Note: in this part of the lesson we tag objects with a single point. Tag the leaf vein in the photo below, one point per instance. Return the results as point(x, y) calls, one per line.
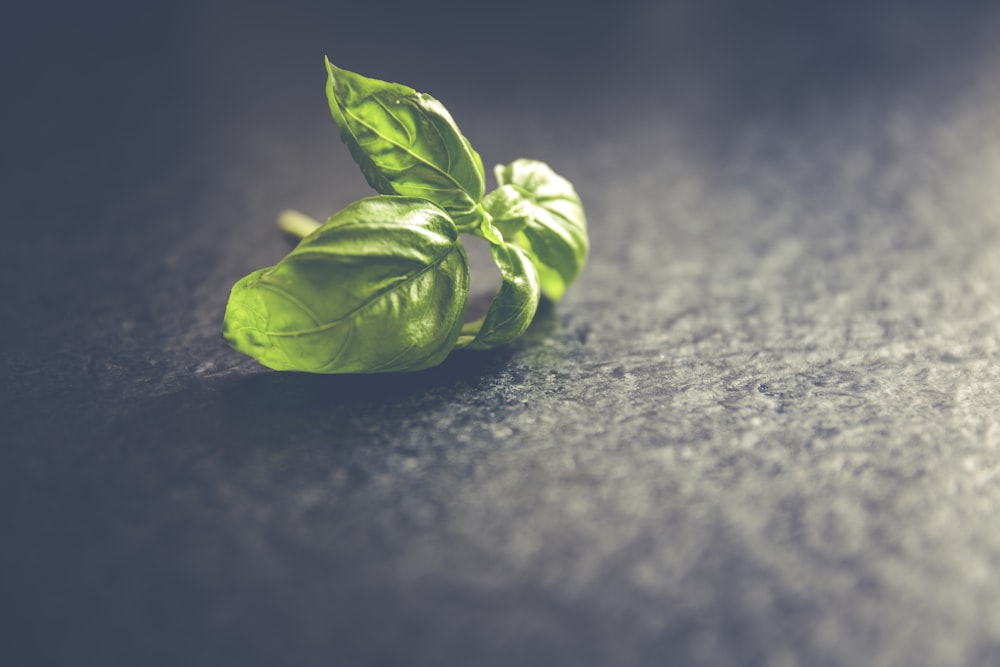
point(406, 150)
point(369, 302)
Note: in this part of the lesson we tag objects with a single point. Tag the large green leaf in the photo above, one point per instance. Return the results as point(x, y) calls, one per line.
point(381, 286)
point(514, 305)
point(406, 143)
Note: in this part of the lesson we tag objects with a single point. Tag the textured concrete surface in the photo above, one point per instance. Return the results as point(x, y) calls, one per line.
point(760, 430)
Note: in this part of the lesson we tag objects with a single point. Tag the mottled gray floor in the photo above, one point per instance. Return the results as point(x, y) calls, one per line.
point(761, 429)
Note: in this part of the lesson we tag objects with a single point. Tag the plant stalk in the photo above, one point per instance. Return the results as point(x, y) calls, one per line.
point(296, 223)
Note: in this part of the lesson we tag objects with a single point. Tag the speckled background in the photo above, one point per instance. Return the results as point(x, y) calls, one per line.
point(762, 428)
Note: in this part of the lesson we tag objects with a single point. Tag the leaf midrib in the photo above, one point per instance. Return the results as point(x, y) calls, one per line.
point(347, 112)
point(374, 298)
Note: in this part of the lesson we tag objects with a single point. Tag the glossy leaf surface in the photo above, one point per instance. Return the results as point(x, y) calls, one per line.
point(509, 210)
point(381, 286)
point(406, 143)
point(514, 305)
point(555, 231)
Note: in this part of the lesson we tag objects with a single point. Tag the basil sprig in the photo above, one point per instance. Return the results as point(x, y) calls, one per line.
point(382, 286)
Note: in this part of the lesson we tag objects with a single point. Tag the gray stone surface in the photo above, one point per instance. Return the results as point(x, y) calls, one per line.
point(760, 430)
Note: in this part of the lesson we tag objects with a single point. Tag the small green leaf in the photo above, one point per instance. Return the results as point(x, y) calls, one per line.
point(509, 210)
point(555, 233)
point(512, 308)
point(381, 286)
point(406, 143)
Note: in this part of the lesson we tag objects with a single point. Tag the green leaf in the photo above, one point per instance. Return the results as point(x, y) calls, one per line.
point(514, 305)
point(381, 286)
point(508, 209)
point(406, 143)
point(555, 231)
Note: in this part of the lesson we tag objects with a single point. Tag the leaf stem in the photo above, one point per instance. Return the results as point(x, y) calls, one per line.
point(296, 223)
point(482, 226)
